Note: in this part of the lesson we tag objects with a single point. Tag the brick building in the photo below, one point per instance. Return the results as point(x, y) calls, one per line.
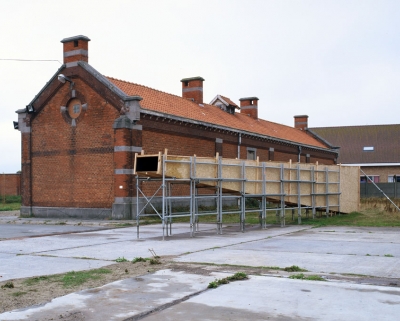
point(10, 184)
point(80, 133)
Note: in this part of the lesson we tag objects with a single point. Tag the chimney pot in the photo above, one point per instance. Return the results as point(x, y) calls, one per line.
point(301, 122)
point(75, 49)
point(192, 89)
point(249, 106)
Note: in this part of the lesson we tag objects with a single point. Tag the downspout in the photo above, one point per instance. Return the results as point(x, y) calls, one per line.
point(239, 143)
point(30, 169)
point(298, 158)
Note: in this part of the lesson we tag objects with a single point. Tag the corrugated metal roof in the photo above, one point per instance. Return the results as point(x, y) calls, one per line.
point(385, 140)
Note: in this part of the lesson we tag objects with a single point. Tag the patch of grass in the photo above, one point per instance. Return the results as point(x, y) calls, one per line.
point(370, 217)
point(37, 279)
point(367, 217)
point(301, 276)
point(294, 268)
point(124, 225)
point(236, 277)
point(19, 293)
point(367, 254)
point(73, 278)
point(69, 279)
point(12, 203)
point(389, 255)
point(121, 259)
point(315, 278)
point(8, 285)
point(139, 259)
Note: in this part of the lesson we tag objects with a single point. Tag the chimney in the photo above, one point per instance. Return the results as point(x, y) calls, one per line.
point(192, 89)
point(75, 49)
point(301, 122)
point(249, 106)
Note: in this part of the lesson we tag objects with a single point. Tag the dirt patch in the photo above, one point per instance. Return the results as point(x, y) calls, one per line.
point(25, 293)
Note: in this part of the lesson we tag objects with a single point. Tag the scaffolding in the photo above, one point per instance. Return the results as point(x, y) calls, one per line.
point(278, 187)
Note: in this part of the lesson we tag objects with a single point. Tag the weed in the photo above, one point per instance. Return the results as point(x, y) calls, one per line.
point(155, 261)
point(223, 281)
point(121, 259)
point(367, 254)
point(301, 276)
point(8, 285)
point(238, 276)
point(388, 255)
point(138, 259)
point(19, 293)
point(294, 268)
point(213, 284)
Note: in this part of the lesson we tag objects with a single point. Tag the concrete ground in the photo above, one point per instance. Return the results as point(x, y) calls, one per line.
point(361, 266)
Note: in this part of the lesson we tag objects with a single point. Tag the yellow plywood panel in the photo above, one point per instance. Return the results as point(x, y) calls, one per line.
point(311, 183)
point(350, 189)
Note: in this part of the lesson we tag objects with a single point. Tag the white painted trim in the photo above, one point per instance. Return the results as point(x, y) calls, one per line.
point(373, 164)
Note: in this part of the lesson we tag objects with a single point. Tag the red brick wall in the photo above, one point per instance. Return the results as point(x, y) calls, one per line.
point(10, 184)
point(73, 166)
point(154, 142)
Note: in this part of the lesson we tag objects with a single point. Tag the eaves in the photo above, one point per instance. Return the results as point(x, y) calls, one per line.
point(235, 131)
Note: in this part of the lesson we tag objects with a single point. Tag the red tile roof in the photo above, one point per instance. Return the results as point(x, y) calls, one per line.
point(230, 102)
point(159, 101)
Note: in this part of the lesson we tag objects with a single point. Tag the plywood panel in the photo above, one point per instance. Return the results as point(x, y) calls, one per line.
point(304, 181)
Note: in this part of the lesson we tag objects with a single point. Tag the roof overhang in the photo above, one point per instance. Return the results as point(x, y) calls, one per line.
point(233, 130)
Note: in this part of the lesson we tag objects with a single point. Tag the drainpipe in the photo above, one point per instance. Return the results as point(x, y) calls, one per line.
point(239, 143)
point(298, 158)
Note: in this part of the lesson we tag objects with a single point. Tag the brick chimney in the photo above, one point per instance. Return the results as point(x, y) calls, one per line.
point(192, 88)
point(301, 122)
point(75, 49)
point(249, 106)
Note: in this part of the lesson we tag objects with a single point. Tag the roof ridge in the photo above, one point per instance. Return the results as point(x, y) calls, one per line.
point(323, 127)
point(160, 91)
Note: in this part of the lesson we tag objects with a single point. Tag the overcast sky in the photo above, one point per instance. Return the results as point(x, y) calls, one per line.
point(336, 61)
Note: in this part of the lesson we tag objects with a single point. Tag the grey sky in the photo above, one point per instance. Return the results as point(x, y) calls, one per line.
point(336, 61)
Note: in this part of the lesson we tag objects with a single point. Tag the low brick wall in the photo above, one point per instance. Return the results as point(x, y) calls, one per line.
point(10, 184)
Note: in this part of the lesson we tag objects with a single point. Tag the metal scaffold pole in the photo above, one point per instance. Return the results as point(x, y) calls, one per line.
point(387, 197)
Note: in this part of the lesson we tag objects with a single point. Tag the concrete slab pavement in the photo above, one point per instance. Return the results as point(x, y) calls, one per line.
point(176, 296)
point(269, 298)
point(119, 300)
point(9, 231)
point(326, 250)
